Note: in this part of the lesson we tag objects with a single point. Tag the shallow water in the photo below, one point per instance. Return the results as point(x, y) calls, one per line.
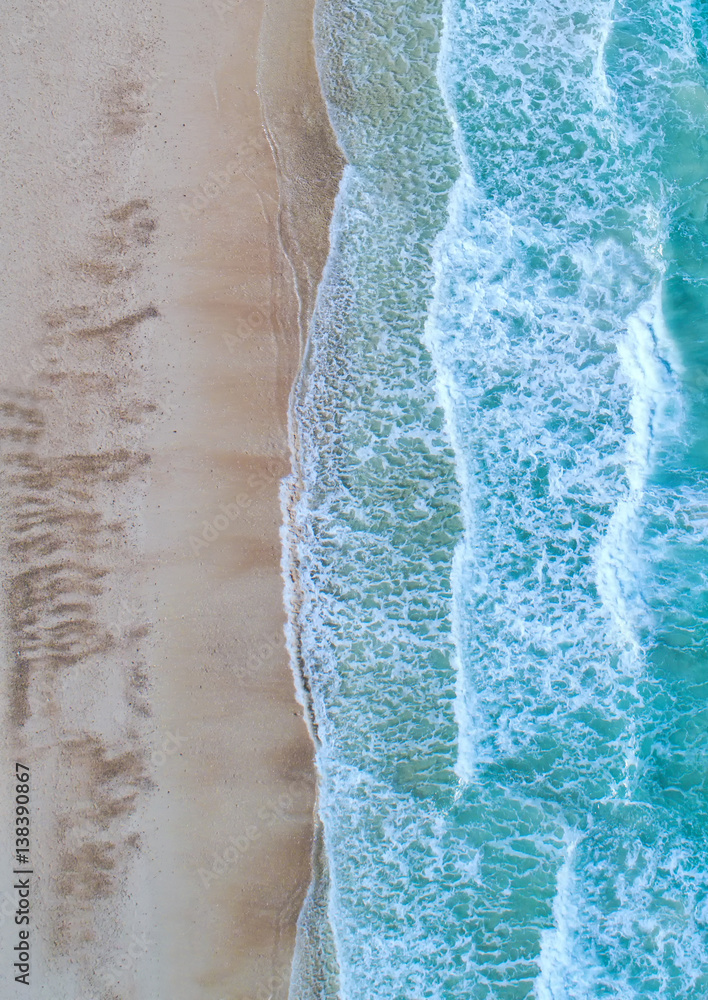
point(500, 542)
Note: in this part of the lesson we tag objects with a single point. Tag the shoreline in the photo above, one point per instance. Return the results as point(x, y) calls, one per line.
point(309, 165)
point(173, 256)
point(308, 186)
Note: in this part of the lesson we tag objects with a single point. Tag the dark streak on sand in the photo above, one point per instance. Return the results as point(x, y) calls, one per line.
point(70, 475)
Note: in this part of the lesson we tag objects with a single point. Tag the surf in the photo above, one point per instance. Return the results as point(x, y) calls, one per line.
point(502, 453)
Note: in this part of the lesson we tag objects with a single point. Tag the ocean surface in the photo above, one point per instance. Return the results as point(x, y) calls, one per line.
point(498, 541)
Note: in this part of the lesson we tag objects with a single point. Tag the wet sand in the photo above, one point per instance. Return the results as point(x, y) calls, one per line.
point(161, 252)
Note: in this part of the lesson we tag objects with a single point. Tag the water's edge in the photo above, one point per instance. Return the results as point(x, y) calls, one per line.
point(309, 166)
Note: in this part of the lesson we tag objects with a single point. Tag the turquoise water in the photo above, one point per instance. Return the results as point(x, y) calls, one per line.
point(502, 430)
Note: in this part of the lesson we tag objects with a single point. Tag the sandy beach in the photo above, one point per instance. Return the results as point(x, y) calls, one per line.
point(168, 181)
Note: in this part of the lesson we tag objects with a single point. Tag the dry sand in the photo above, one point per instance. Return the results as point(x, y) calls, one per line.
point(161, 250)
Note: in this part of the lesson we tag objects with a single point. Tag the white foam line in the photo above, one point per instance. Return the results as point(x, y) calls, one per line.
point(646, 357)
point(291, 489)
point(556, 960)
point(604, 92)
point(465, 698)
point(648, 360)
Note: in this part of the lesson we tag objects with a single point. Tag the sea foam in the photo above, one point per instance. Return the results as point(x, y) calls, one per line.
point(497, 530)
